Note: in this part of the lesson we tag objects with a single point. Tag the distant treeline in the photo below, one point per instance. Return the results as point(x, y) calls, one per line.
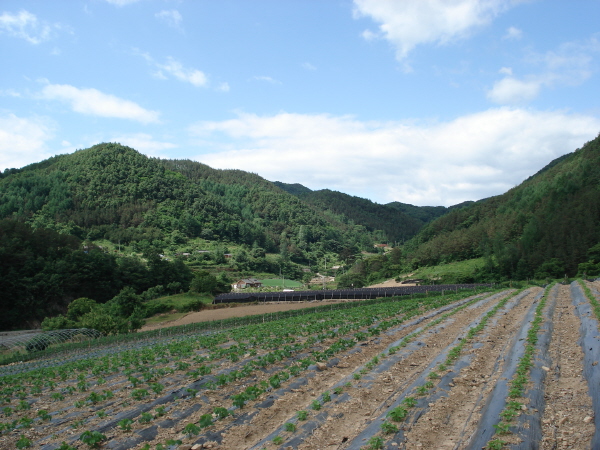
point(545, 227)
point(41, 271)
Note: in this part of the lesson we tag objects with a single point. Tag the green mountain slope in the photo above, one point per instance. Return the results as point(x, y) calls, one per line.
point(396, 225)
point(112, 191)
point(542, 227)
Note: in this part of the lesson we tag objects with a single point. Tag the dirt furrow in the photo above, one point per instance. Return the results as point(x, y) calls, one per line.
point(452, 420)
point(349, 418)
point(566, 422)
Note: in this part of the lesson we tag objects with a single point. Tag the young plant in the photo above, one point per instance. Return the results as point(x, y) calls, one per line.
point(139, 394)
point(326, 397)
point(398, 414)
point(23, 442)
point(289, 426)
point(221, 413)
point(191, 429)
point(145, 417)
point(205, 420)
point(92, 438)
point(376, 443)
point(277, 440)
point(389, 428)
point(302, 415)
point(125, 424)
point(65, 446)
point(495, 444)
point(160, 411)
point(316, 405)
point(409, 402)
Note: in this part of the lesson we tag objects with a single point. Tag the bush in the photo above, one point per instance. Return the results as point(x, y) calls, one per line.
point(59, 322)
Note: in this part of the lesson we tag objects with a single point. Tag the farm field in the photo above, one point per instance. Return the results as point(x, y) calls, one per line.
point(496, 369)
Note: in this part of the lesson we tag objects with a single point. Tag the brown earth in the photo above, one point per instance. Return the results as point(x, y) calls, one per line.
point(239, 311)
point(446, 423)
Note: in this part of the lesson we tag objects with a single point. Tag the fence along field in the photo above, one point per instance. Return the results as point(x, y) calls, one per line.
point(421, 372)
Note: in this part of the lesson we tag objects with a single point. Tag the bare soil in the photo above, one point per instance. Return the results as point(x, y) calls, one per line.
point(444, 418)
point(239, 311)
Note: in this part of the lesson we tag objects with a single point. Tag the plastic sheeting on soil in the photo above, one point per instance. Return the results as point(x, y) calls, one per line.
point(339, 294)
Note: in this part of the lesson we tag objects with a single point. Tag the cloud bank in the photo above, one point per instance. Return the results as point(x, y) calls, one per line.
point(409, 23)
point(469, 158)
point(96, 103)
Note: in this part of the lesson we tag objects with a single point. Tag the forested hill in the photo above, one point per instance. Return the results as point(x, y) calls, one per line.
point(425, 213)
point(543, 227)
point(112, 191)
point(396, 225)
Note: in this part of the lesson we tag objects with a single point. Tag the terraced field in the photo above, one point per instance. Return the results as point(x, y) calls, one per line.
point(496, 369)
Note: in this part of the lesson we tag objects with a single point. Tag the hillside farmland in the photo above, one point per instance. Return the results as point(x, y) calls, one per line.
point(495, 369)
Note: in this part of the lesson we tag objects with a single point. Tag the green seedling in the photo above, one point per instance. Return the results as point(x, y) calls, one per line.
point(44, 415)
point(23, 442)
point(125, 424)
point(398, 414)
point(388, 428)
point(289, 426)
point(409, 402)
point(191, 429)
point(92, 438)
point(495, 444)
point(139, 394)
point(326, 397)
point(221, 413)
point(145, 417)
point(77, 423)
point(316, 405)
point(376, 443)
point(277, 440)
point(502, 428)
point(205, 420)
point(302, 415)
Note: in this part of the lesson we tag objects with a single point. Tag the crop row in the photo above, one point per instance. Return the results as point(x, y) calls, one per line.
point(129, 385)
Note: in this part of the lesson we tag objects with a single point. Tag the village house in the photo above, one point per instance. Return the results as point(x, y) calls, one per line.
point(246, 282)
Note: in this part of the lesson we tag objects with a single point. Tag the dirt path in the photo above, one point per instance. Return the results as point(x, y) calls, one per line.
point(239, 311)
point(568, 403)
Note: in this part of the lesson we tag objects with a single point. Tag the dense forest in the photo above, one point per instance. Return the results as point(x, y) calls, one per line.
point(53, 211)
point(548, 226)
point(113, 192)
point(41, 271)
point(396, 224)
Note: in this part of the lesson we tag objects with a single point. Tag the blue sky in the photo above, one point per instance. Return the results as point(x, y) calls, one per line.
point(429, 102)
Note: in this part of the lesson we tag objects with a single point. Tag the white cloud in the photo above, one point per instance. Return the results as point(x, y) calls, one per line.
point(510, 91)
point(308, 66)
point(96, 103)
point(176, 69)
point(172, 18)
point(468, 158)
point(23, 141)
point(25, 25)
point(121, 2)
point(408, 23)
point(223, 87)
point(513, 34)
point(144, 143)
point(267, 79)
point(570, 64)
